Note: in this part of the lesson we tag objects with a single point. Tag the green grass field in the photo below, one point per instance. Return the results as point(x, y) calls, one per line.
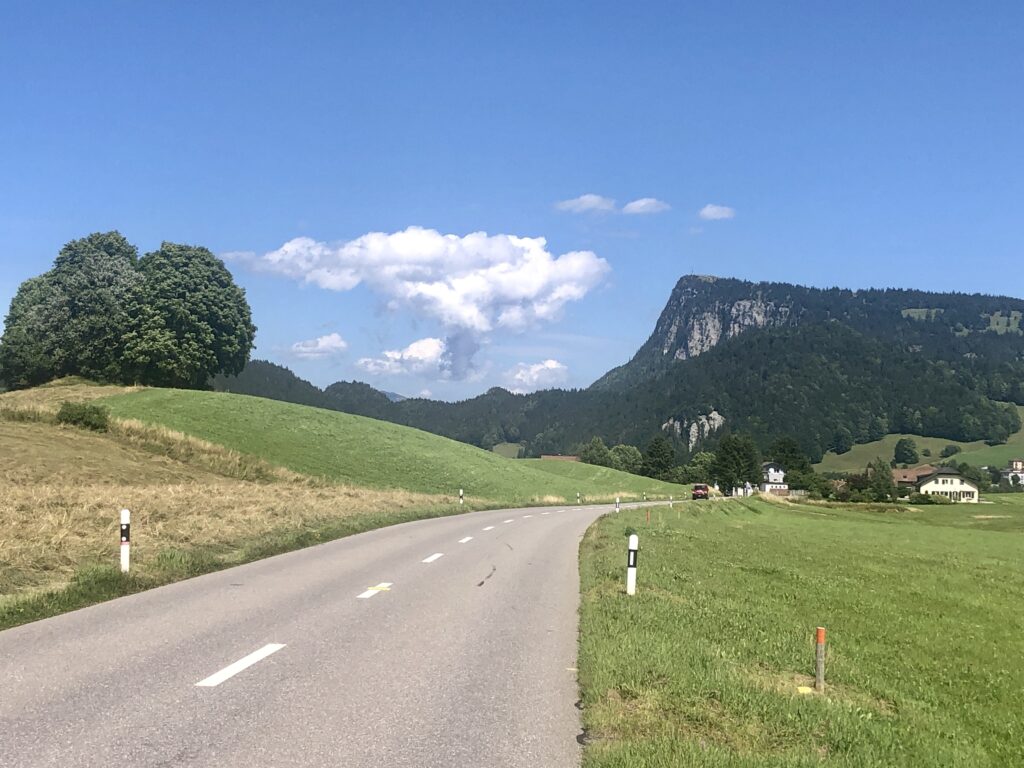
point(976, 453)
point(925, 660)
point(508, 450)
point(368, 453)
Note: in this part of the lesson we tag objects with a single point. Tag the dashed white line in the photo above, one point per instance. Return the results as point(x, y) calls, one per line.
point(463, 541)
point(384, 586)
point(489, 528)
point(433, 557)
point(545, 513)
point(527, 515)
point(508, 521)
point(233, 669)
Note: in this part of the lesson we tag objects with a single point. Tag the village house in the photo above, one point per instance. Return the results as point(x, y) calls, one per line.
point(908, 477)
point(774, 479)
point(946, 481)
point(1014, 472)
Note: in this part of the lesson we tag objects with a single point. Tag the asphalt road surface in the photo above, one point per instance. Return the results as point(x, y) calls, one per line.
point(447, 642)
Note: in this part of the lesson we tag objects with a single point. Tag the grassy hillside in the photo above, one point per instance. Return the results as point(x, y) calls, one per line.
point(702, 666)
point(590, 476)
point(976, 453)
point(364, 452)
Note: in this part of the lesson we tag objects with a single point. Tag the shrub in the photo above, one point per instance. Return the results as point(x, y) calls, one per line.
point(950, 450)
point(86, 415)
point(928, 498)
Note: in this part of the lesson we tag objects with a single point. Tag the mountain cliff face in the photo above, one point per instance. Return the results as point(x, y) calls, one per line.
point(828, 367)
point(705, 311)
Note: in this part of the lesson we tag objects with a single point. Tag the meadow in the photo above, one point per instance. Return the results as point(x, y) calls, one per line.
point(341, 447)
point(299, 476)
point(703, 666)
point(976, 453)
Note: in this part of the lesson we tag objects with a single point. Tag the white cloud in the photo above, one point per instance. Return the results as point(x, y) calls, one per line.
point(426, 394)
point(712, 212)
point(526, 377)
point(645, 205)
point(324, 346)
point(477, 282)
point(584, 203)
point(423, 356)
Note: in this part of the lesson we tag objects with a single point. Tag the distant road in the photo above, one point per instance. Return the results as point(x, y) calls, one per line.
point(447, 642)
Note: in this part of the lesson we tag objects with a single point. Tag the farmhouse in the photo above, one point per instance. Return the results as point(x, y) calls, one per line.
point(909, 477)
point(773, 479)
point(1014, 472)
point(946, 481)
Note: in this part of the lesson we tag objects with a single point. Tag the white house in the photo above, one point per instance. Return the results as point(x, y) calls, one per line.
point(1014, 472)
point(946, 481)
point(773, 479)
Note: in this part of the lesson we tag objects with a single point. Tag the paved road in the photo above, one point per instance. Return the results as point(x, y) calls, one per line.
point(448, 642)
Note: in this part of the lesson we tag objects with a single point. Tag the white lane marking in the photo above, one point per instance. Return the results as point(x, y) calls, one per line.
point(489, 528)
point(508, 521)
point(433, 557)
point(527, 515)
point(233, 669)
point(384, 586)
point(463, 541)
point(545, 513)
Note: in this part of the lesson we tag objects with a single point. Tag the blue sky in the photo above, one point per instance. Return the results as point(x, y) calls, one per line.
point(856, 145)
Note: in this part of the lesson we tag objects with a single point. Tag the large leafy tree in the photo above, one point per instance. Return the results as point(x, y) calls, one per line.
point(737, 461)
point(906, 451)
point(74, 319)
point(628, 458)
point(192, 320)
point(658, 458)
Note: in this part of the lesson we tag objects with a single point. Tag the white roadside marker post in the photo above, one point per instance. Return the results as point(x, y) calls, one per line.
point(634, 546)
point(645, 495)
point(616, 503)
point(460, 497)
point(577, 498)
point(126, 537)
point(670, 502)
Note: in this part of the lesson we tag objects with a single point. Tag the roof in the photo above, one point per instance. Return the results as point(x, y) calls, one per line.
point(913, 474)
point(945, 472)
point(770, 465)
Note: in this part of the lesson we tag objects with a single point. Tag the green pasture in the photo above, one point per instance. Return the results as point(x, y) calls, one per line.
point(925, 661)
point(365, 452)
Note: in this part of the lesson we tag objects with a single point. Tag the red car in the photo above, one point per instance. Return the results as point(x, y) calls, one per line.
point(700, 491)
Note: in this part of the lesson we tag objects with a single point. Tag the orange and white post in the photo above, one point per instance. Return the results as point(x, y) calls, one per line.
point(819, 660)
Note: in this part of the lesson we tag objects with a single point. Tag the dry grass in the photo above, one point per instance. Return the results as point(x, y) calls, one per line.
point(48, 397)
point(48, 530)
point(61, 489)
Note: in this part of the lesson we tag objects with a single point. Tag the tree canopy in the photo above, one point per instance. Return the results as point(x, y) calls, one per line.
point(172, 318)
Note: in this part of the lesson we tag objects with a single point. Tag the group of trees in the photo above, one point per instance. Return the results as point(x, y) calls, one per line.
point(736, 461)
point(173, 317)
point(655, 462)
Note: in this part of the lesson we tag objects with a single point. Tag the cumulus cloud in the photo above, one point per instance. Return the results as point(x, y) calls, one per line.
point(584, 203)
point(316, 349)
point(471, 284)
point(423, 356)
point(645, 205)
point(527, 377)
point(712, 212)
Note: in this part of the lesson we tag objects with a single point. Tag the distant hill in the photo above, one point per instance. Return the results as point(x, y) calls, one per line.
point(367, 453)
point(830, 367)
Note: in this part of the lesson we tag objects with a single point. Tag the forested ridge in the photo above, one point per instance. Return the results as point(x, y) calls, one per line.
point(829, 367)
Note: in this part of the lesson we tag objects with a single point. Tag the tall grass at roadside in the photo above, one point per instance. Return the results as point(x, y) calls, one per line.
point(702, 666)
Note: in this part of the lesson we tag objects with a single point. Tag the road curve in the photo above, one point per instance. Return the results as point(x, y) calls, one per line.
point(447, 642)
